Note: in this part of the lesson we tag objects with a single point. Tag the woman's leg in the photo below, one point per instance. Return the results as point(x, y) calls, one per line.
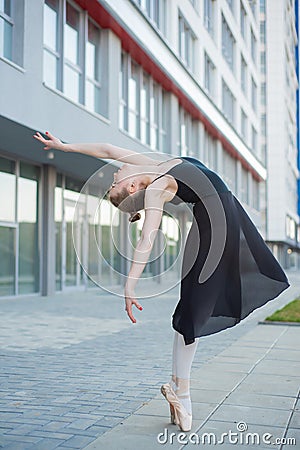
point(183, 356)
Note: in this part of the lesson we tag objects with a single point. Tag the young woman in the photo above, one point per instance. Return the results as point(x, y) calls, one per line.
point(227, 272)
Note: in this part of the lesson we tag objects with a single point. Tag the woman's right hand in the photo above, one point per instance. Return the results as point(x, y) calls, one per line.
point(51, 143)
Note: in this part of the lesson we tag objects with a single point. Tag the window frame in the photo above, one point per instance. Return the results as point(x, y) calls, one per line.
point(157, 127)
point(79, 68)
point(186, 47)
point(228, 44)
point(16, 21)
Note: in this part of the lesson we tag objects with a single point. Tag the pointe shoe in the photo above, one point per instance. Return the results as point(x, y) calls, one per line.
point(172, 414)
point(180, 416)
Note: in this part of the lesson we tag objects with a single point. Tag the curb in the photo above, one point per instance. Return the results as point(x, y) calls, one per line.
point(273, 322)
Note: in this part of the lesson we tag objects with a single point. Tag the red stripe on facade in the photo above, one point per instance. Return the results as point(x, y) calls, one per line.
point(97, 12)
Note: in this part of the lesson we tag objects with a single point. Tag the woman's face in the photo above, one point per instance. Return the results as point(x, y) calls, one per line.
point(122, 178)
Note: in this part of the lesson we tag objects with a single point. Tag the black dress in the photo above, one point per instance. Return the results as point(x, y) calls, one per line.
point(227, 271)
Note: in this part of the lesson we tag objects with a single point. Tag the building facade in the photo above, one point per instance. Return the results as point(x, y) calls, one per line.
point(158, 76)
point(279, 93)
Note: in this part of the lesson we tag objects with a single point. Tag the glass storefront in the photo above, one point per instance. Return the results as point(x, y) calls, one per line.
point(89, 235)
point(69, 219)
point(19, 264)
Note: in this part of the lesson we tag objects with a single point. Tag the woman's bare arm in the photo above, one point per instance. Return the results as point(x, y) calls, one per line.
point(155, 198)
point(97, 150)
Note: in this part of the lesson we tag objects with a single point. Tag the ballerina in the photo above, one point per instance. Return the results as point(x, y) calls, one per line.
point(228, 271)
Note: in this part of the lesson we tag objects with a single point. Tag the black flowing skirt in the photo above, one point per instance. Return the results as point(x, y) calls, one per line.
point(247, 276)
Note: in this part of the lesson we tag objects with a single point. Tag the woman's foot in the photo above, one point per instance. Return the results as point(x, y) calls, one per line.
point(179, 415)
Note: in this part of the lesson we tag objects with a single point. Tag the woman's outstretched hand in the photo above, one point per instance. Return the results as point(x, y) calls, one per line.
point(51, 143)
point(129, 301)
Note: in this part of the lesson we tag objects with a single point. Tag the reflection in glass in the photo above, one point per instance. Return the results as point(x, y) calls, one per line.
point(50, 24)
point(58, 236)
point(133, 101)
point(145, 110)
point(5, 39)
point(5, 7)
point(154, 118)
point(71, 83)
point(92, 52)
point(50, 69)
point(28, 229)
point(7, 187)
point(70, 250)
point(92, 96)
point(71, 35)
point(7, 261)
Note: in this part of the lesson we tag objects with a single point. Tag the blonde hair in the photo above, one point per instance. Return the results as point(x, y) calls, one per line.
point(131, 203)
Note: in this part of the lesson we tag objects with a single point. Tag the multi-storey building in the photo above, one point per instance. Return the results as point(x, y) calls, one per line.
point(160, 76)
point(279, 124)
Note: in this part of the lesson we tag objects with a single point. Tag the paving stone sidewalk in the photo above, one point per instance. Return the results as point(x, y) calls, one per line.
point(75, 373)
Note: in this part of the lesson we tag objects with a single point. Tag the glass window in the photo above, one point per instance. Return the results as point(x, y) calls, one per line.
point(71, 54)
point(230, 4)
point(263, 124)
point(58, 217)
point(92, 69)
point(71, 44)
point(71, 83)
point(253, 47)
point(252, 4)
point(228, 103)
point(263, 95)
point(155, 10)
point(145, 111)
point(79, 73)
point(50, 24)
point(228, 44)
point(263, 62)
point(229, 165)
point(7, 260)
point(254, 140)
point(144, 106)
point(186, 43)
point(255, 194)
point(133, 101)
point(244, 125)
point(243, 20)
point(254, 94)
point(5, 7)
point(188, 137)
point(164, 125)
point(209, 15)
point(28, 229)
point(51, 50)
point(244, 186)
point(6, 29)
point(154, 117)
point(8, 185)
point(209, 76)
point(243, 75)
point(263, 31)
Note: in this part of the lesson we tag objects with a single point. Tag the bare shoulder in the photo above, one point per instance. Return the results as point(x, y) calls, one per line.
point(161, 190)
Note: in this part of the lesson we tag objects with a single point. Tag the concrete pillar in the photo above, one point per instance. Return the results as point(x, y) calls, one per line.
point(48, 231)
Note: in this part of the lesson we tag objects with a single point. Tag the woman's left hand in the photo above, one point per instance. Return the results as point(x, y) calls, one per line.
point(129, 301)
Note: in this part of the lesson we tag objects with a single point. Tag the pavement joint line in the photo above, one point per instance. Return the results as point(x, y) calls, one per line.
point(238, 384)
point(290, 418)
